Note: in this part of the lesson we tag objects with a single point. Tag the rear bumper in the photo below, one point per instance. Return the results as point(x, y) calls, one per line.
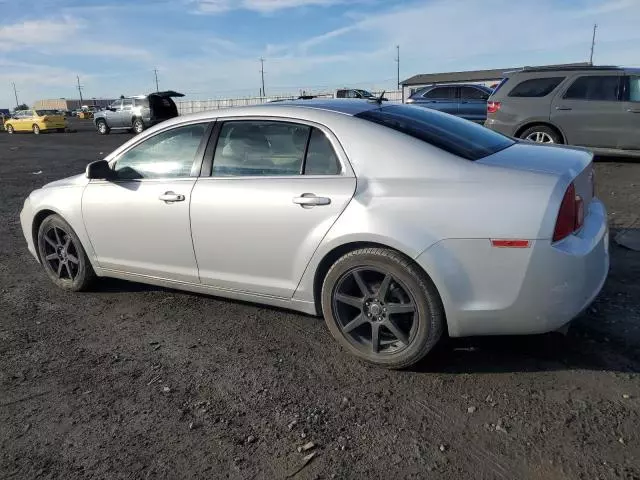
point(500, 127)
point(504, 291)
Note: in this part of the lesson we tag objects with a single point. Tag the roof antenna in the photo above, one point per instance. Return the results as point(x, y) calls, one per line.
point(379, 99)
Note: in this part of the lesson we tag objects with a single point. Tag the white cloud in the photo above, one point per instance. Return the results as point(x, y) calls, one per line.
point(609, 6)
point(37, 32)
point(263, 6)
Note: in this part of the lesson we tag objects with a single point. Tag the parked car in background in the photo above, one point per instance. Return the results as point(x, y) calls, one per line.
point(295, 205)
point(137, 113)
point(355, 93)
point(35, 121)
point(596, 107)
point(468, 101)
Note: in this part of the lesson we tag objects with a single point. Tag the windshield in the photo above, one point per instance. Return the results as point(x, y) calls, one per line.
point(365, 94)
point(452, 134)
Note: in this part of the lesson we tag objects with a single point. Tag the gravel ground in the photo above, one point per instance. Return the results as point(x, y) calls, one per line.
point(131, 381)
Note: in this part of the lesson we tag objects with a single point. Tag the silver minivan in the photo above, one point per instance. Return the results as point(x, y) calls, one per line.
point(591, 106)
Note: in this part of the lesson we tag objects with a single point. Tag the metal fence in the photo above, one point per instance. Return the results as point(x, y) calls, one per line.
point(193, 106)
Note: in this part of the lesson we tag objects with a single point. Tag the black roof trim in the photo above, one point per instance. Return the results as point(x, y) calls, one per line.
point(567, 68)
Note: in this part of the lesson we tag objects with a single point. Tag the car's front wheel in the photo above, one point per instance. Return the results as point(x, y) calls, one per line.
point(10, 129)
point(102, 127)
point(541, 134)
point(62, 256)
point(138, 125)
point(382, 307)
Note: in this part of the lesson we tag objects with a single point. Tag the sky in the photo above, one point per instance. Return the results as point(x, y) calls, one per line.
point(212, 48)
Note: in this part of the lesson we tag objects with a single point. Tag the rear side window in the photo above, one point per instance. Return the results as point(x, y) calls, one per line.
point(536, 87)
point(472, 93)
point(447, 132)
point(321, 158)
point(596, 87)
point(441, 93)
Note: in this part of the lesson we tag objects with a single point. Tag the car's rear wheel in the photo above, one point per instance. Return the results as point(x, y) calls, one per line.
point(382, 307)
point(63, 258)
point(541, 134)
point(10, 129)
point(103, 129)
point(138, 125)
point(36, 129)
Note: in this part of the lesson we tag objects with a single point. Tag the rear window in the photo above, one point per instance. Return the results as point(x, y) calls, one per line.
point(447, 132)
point(536, 87)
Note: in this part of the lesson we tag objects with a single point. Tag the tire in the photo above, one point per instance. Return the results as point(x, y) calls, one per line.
point(138, 125)
point(404, 336)
point(36, 129)
point(103, 128)
point(10, 129)
point(58, 247)
point(60, 130)
point(542, 132)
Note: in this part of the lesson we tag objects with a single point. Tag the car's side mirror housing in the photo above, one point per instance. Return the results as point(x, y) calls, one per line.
point(111, 109)
point(100, 170)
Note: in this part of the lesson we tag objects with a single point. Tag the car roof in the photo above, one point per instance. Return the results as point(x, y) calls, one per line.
point(576, 68)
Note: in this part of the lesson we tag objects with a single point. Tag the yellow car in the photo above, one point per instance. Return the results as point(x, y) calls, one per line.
point(35, 121)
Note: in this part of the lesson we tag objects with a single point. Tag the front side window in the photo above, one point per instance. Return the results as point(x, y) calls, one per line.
point(127, 103)
point(634, 89)
point(117, 105)
point(597, 87)
point(169, 154)
point(447, 132)
point(472, 93)
point(441, 93)
point(536, 87)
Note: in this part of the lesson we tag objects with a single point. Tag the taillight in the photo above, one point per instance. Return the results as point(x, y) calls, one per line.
point(571, 214)
point(493, 107)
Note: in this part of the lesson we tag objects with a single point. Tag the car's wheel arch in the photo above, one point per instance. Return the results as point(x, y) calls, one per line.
point(46, 212)
point(541, 123)
point(338, 251)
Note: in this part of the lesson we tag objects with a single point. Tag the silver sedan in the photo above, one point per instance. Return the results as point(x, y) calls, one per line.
point(394, 222)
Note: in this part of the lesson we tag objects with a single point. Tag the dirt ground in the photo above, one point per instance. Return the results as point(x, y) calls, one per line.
point(130, 381)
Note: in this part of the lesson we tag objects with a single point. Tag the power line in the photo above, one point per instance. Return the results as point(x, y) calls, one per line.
point(262, 94)
point(79, 88)
point(155, 71)
point(593, 43)
point(15, 92)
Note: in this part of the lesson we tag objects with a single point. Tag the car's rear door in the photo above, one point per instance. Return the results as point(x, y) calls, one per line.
point(629, 127)
point(588, 110)
point(442, 98)
point(125, 116)
point(472, 103)
point(275, 189)
point(138, 223)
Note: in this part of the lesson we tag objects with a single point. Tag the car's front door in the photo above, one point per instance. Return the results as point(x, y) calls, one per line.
point(18, 121)
point(629, 128)
point(473, 104)
point(589, 110)
point(139, 222)
point(275, 190)
point(442, 98)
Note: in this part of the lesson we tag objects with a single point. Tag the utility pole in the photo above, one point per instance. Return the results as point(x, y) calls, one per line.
point(262, 75)
point(398, 62)
point(15, 93)
point(155, 71)
point(593, 43)
point(79, 89)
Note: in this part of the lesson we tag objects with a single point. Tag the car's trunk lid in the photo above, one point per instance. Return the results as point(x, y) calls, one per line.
point(573, 163)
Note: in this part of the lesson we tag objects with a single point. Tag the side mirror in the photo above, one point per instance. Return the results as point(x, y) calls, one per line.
point(100, 170)
point(111, 109)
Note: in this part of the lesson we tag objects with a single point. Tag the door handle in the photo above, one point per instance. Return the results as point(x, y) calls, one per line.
point(310, 200)
point(171, 197)
point(633, 110)
point(563, 108)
